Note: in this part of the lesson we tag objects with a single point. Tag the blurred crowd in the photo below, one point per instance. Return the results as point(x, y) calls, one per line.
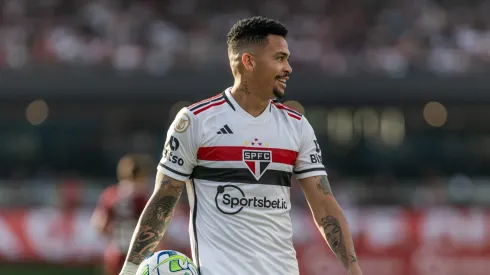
point(394, 37)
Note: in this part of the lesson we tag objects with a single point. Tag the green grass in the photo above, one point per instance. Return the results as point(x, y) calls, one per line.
point(48, 269)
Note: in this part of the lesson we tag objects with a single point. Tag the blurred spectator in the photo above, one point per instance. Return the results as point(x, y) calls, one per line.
point(339, 37)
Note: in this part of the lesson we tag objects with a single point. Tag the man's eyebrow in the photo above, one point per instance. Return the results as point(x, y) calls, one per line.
point(283, 54)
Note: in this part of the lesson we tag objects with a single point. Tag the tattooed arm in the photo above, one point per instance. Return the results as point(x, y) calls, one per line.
point(153, 221)
point(330, 220)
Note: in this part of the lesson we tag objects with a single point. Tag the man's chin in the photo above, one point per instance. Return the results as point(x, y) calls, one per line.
point(278, 93)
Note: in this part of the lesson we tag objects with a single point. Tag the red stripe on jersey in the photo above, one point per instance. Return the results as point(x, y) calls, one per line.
point(205, 100)
point(284, 107)
point(294, 116)
point(288, 110)
point(209, 106)
point(235, 153)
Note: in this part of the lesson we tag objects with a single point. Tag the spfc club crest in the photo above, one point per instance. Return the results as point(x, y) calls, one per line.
point(257, 161)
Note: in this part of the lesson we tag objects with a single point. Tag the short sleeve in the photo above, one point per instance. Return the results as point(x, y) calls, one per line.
point(105, 202)
point(179, 154)
point(105, 205)
point(309, 161)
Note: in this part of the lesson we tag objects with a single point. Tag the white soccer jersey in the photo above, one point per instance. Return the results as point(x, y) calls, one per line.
point(239, 169)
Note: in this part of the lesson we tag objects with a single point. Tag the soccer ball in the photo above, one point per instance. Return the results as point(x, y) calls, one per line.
point(167, 262)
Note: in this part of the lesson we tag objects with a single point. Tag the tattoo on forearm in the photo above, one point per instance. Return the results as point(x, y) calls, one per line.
point(353, 258)
point(324, 186)
point(335, 239)
point(155, 220)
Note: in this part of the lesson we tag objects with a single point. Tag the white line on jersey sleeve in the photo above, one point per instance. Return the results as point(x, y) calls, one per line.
point(181, 145)
point(241, 164)
point(309, 161)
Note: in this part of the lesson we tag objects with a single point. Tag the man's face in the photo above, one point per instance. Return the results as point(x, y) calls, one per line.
point(273, 67)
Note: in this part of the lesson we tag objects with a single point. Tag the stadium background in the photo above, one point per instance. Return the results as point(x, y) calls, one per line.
point(397, 91)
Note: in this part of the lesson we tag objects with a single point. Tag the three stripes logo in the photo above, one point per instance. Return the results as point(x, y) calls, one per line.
point(224, 130)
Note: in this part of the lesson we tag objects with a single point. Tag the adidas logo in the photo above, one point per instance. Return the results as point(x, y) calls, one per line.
point(225, 130)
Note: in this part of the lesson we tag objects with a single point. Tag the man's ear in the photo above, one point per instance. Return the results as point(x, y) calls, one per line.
point(248, 61)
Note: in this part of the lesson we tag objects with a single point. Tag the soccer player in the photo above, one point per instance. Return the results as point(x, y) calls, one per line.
point(119, 208)
point(236, 153)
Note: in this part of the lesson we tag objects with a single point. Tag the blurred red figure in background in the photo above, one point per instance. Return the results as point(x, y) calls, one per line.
point(120, 206)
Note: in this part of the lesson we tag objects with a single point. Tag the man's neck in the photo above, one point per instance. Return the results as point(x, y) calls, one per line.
point(249, 101)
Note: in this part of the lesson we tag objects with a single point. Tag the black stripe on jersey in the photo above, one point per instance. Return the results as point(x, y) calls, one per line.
point(241, 175)
point(206, 103)
point(228, 129)
point(285, 108)
point(309, 170)
point(294, 112)
point(228, 101)
point(174, 171)
point(194, 222)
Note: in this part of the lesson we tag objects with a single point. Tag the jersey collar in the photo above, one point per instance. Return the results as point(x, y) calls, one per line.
point(234, 105)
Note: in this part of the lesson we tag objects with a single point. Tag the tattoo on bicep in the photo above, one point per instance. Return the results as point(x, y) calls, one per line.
point(155, 219)
point(335, 239)
point(324, 186)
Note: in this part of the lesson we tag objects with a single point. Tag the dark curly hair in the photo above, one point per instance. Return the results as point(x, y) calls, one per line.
point(253, 30)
